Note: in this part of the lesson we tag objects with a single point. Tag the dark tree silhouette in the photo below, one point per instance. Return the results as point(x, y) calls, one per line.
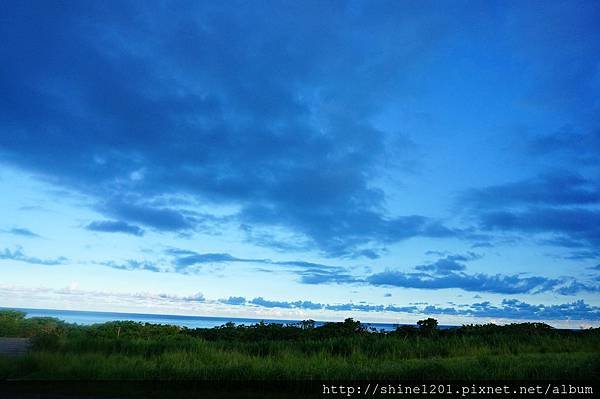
point(307, 324)
point(427, 326)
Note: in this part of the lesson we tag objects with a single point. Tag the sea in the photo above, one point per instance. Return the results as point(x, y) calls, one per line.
point(83, 317)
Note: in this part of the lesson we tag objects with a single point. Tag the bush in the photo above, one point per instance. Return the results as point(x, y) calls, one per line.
point(428, 326)
point(11, 322)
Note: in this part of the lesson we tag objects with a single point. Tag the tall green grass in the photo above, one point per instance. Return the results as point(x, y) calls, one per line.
point(135, 351)
point(212, 364)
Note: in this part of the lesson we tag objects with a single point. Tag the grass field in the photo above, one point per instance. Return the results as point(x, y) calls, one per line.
point(127, 350)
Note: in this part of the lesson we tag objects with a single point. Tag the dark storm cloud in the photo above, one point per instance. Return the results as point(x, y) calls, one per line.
point(199, 100)
point(20, 256)
point(115, 226)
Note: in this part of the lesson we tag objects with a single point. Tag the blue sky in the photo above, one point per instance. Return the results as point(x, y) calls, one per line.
point(380, 160)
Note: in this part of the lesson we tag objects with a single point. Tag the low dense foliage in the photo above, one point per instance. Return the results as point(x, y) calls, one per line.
point(345, 350)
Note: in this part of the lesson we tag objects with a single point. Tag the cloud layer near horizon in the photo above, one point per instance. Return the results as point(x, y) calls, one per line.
point(506, 310)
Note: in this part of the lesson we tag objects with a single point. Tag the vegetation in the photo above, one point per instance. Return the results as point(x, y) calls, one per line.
point(303, 351)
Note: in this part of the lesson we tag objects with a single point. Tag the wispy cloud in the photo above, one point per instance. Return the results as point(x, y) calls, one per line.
point(557, 189)
point(444, 273)
point(311, 273)
point(502, 284)
point(448, 264)
point(134, 265)
point(579, 224)
point(449, 272)
point(114, 226)
point(20, 231)
point(18, 255)
point(160, 218)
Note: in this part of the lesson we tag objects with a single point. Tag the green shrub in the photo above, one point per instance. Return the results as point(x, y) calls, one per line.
point(345, 350)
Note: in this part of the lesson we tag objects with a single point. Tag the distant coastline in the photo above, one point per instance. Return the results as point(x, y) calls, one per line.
point(86, 317)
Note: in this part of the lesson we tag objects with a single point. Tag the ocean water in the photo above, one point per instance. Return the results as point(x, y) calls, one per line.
point(88, 318)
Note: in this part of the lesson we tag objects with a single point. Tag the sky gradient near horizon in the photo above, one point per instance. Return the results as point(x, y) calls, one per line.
point(317, 159)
